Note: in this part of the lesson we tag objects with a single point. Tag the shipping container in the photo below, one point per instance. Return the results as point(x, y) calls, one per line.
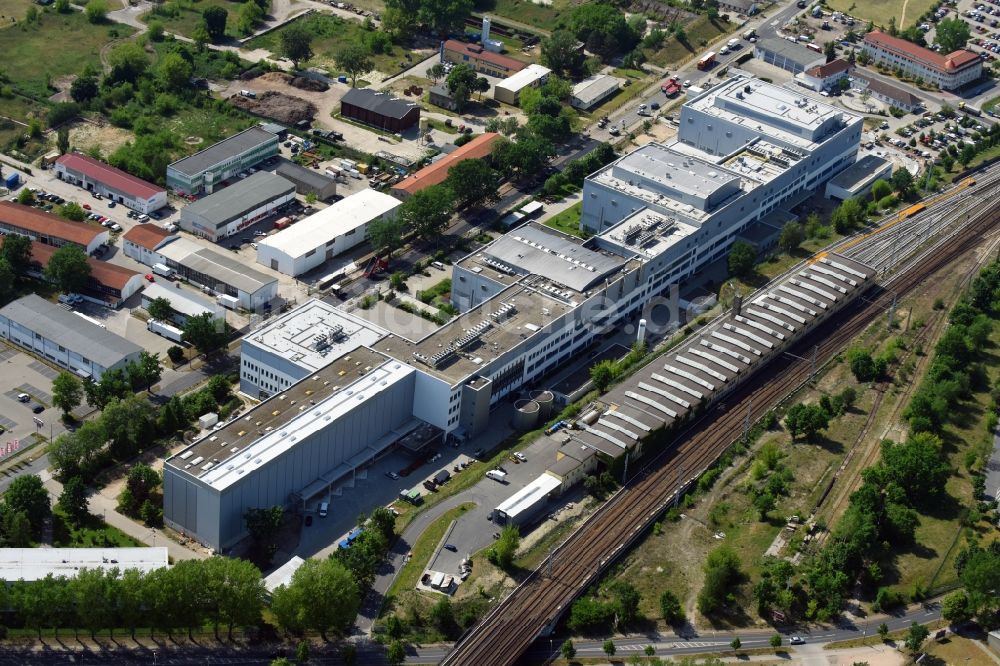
point(227, 301)
point(166, 330)
point(283, 223)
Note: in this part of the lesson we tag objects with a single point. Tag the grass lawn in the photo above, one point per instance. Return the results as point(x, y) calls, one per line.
point(15, 9)
point(879, 13)
point(568, 221)
point(525, 11)
point(991, 104)
point(424, 548)
point(207, 123)
point(700, 33)
point(330, 33)
point(91, 533)
point(189, 16)
point(57, 45)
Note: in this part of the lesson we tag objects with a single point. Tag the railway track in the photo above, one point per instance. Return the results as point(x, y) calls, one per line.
point(535, 605)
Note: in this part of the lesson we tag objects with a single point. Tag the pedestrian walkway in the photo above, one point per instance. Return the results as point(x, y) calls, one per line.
point(107, 508)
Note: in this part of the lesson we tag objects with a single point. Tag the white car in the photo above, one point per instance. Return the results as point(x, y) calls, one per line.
point(520, 456)
point(797, 640)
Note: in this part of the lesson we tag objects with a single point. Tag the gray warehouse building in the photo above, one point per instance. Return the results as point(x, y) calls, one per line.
point(238, 206)
point(207, 169)
point(65, 337)
point(787, 55)
point(307, 181)
point(290, 448)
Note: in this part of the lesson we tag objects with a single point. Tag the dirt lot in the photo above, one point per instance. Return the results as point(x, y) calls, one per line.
point(327, 104)
point(107, 138)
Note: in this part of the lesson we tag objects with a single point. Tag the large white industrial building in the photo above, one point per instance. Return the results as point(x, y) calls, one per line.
point(325, 234)
point(531, 302)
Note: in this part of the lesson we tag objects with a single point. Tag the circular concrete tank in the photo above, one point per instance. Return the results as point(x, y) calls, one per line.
point(546, 401)
point(525, 415)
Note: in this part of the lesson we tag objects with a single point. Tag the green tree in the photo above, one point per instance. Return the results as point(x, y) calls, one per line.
point(916, 636)
point(62, 141)
point(302, 652)
point(862, 365)
point(129, 424)
point(806, 420)
point(348, 651)
point(322, 596)
point(26, 493)
point(215, 18)
point(776, 641)
point(428, 212)
point(609, 648)
point(205, 332)
point(830, 51)
point(144, 372)
point(62, 6)
point(67, 392)
point(16, 249)
point(73, 499)
point(881, 189)
point(250, 13)
point(791, 237)
point(567, 650)
point(92, 593)
point(263, 526)
point(7, 277)
point(17, 529)
point(722, 572)
point(156, 30)
point(443, 16)
point(741, 259)
point(395, 654)
point(461, 83)
point(78, 452)
point(174, 72)
point(159, 308)
point(25, 197)
point(296, 44)
point(736, 643)
point(883, 630)
point(503, 550)
point(73, 211)
point(473, 183)
point(175, 354)
point(84, 88)
point(96, 11)
point(113, 385)
point(68, 268)
point(355, 61)
point(128, 62)
point(386, 235)
point(559, 53)
point(626, 602)
point(967, 155)
point(955, 608)
point(952, 34)
point(670, 608)
point(603, 373)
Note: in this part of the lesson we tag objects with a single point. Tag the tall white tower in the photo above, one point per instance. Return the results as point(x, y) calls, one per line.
point(486, 30)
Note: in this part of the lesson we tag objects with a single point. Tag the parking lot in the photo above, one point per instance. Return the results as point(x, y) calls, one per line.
point(23, 374)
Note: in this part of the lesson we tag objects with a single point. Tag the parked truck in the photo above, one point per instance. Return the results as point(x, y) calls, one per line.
point(497, 475)
point(706, 60)
point(165, 329)
point(12, 180)
point(164, 271)
point(227, 301)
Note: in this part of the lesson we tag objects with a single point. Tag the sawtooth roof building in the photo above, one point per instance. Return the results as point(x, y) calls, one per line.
point(64, 337)
point(947, 72)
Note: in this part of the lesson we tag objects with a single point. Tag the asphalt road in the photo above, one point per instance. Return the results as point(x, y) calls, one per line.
point(692, 642)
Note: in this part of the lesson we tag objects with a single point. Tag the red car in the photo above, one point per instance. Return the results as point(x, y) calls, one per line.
point(150, 277)
point(86, 206)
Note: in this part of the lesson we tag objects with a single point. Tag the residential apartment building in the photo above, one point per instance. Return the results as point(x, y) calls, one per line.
point(947, 72)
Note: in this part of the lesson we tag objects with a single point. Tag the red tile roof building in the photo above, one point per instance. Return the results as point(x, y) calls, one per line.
point(479, 59)
point(947, 72)
point(143, 242)
point(108, 282)
point(48, 228)
point(824, 77)
point(97, 176)
point(437, 172)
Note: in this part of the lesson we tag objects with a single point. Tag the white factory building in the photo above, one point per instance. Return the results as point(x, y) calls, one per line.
point(297, 344)
point(325, 234)
point(509, 90)
point(183, 302)
point(532, 301)
point(34, 564)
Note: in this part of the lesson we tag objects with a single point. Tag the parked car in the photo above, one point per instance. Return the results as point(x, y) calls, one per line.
point(797, 640)
point(149, 277)
point(451, 547)
point(23, 397)
point(37, 408)
point(392, 475)
point(520, 456)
